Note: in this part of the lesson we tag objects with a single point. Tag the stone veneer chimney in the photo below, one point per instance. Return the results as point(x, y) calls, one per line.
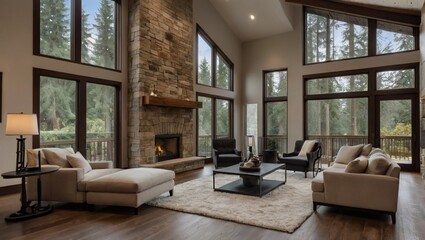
point(160, 54)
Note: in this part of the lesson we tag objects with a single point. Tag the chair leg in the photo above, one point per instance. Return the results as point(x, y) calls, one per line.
point(305, 174)
point(393, 218)
point(171, 192)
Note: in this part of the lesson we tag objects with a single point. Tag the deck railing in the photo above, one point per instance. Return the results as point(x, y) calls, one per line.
point(398, 147)
point(97, 149)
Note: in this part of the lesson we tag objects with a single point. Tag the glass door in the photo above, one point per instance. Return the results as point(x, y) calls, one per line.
point(397, 130)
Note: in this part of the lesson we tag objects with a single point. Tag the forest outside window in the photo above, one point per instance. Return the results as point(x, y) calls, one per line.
point(331, 36)
point(83, 31)
point(214, 68)
point(77, 112)
point(276, 107)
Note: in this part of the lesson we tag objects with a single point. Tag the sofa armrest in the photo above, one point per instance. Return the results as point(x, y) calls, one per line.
point(61, 185)
point(361, 190)
point(101, 164)
point(292, 154)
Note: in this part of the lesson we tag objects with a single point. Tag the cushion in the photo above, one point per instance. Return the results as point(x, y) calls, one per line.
point(347, 154)
point(358, 165)
point(32, 157)
point(57, 156)
point(307, 147)
point(367, 148)
point(378, 164)
point(77, 160)
point(226, 151)
point(376, 150)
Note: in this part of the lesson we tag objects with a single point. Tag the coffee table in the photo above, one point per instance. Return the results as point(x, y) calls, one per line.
point(251, 182)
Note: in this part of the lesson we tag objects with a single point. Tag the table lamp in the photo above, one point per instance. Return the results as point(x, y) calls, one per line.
point(20, 124)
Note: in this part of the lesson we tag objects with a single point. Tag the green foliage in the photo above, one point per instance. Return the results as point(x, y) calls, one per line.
point(204, 73)
point(401, 129)
point(104, 47)
point(85, 38)
point(55, 28)
point(223, 73)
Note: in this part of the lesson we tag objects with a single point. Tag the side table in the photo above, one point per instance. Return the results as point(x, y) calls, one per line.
point(26, 210)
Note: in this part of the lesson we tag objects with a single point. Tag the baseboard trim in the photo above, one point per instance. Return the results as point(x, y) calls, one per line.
point(10, 189)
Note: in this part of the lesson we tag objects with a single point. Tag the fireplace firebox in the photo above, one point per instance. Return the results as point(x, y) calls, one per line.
point(167, 146)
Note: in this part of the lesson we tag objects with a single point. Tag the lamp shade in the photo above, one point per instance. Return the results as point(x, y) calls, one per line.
point(21, 124)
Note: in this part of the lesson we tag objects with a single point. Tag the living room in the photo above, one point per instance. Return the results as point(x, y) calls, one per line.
point(155, 39)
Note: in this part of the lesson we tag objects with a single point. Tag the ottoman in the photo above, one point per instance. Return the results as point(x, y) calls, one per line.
point(130, 187)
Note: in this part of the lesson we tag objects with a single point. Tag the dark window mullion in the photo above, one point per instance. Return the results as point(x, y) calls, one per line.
point(81, 117)
point(372, 37)
point(214, 68)
point(76, 22)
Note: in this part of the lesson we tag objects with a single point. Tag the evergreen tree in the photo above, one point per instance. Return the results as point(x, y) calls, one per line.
point(57, 103)
point(204, 73)
point(223, 73)
point(100, 108)
point(55, 29)
point(104, 47)
point(86, 42)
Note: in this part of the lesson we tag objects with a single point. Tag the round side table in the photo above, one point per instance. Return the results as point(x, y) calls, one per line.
point(26, 210)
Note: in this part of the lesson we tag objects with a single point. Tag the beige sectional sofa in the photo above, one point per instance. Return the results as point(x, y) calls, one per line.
point(97, 182)
point(359, 178)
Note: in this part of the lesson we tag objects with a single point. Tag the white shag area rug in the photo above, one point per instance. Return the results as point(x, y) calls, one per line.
point(283, 209)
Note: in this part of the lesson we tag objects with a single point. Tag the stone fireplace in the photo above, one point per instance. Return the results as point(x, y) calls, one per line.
point(167, 146)
point(160, 59)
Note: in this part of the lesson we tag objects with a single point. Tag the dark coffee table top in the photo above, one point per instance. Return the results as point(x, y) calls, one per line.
point(265, 168)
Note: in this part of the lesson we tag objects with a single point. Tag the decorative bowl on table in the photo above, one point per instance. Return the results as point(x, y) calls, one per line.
point(253, 164)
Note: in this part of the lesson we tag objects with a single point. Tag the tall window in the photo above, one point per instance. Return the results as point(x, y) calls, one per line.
point(77, 112)
point(331, 36)
point(83, 31)
point(275, 109)
point(377, 106)
point(214, 68)
point(214, 120)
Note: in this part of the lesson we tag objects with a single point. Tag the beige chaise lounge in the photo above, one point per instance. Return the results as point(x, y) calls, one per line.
point(359, 178)
point(96, 182)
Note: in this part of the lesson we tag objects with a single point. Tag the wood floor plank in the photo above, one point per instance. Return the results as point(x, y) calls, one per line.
point(72, 221)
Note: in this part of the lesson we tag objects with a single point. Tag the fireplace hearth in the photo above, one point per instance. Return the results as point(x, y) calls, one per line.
point(167, 146)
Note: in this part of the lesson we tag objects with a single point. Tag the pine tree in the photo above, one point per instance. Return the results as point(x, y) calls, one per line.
point(55, 29)
point(86, 41)
point(223, 73)
point(57, 103)
point(104, 47)
point(204, 73)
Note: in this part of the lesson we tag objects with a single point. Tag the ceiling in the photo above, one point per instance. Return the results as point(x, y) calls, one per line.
point(273, 17)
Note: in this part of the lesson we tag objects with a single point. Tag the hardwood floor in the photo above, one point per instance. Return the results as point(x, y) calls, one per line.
point(71, 221)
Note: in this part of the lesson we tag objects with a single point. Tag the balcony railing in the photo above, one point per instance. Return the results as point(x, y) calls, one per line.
point(398, 147)
point(97, 149)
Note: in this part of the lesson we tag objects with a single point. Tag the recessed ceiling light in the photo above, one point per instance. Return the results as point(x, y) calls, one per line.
point(252, 17)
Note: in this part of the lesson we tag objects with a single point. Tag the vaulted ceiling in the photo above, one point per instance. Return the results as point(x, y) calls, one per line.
point(272, 17)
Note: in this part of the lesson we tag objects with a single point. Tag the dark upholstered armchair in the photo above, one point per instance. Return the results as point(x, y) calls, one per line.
point(224, 152)
point(302, 163)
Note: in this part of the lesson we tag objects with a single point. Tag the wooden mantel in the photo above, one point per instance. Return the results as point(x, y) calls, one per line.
point(169, 102)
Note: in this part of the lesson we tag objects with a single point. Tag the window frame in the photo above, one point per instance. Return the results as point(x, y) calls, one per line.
point(272, 99)
point(215, 51)
point(214, 116)
point(372, 31)
point(75, 32)
point(373, 95)
point(81, 106)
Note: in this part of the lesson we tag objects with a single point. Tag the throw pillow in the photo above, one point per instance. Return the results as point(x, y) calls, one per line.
point(57, 156)
point(347, 154)
point(376, 150)
point(77, 160)
point(307, 147)
point(366, 150)
point(358, 165)
point(378, 164)
point(32, 157)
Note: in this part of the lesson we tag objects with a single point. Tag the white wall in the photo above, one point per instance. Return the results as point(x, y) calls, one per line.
point(205, 15)
point(285, 51)
point(17, 63)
